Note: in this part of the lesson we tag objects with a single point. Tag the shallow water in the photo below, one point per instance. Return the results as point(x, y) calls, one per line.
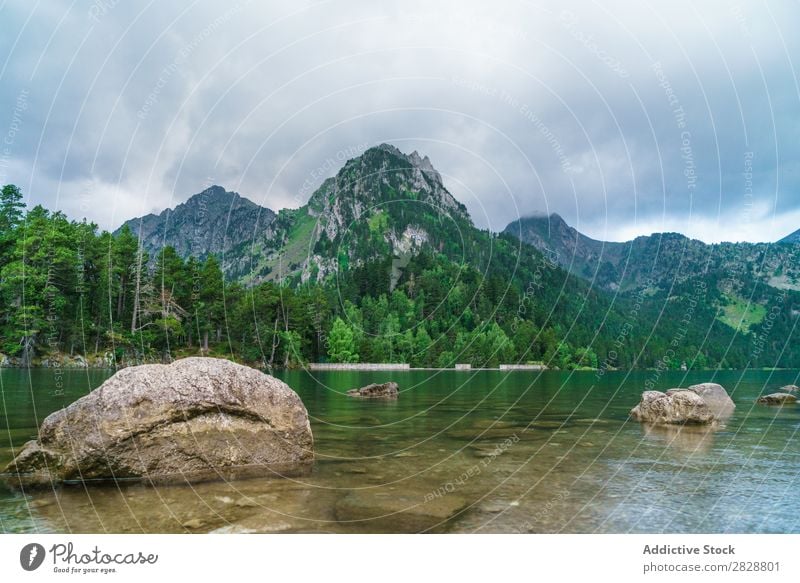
point(480, 451)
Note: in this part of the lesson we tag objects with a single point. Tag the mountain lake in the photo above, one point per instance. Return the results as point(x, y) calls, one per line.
point(460, 451)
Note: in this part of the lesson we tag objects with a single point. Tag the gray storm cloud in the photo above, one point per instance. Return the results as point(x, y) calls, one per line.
point(624, 118)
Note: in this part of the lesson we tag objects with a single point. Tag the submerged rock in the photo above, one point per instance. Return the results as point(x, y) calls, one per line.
point(689, 438)
point(674, 407)
point(789, 389)
point(393, 512)
point(777, 399)
point(384, 390)
point(191, 419)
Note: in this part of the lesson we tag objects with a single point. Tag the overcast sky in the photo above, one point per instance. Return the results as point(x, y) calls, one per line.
point(626, 118)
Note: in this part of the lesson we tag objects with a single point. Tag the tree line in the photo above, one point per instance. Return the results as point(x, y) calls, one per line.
point(69, 288)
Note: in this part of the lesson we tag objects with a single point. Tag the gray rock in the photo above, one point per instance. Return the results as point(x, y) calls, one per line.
point(716, 397)
point(777, 399)
point(191, 419)
point(790, 389)
point(699, 404)
point(385, 390)
point(677, 407)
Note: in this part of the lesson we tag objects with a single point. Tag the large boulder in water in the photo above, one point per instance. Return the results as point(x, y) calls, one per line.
point(716, 397)
point(196, 418)
point(674, 407)
point(699, 404)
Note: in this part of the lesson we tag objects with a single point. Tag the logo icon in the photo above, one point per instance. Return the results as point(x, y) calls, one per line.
point(31, 556)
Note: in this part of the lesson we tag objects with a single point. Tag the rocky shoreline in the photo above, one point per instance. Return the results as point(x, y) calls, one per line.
point(65, 361)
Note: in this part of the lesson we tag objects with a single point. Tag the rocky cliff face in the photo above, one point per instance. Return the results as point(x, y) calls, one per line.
point(382, 205)
point(383, 179)
point(214, 221)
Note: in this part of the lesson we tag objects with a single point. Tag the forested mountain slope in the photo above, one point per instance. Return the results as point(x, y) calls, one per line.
point(382, 264)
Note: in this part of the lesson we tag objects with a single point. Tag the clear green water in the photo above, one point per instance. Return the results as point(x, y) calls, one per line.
point(483, 451)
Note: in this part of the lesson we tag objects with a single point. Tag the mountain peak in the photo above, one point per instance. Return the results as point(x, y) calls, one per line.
point(217, 196)
point(212, 221)
point(382, 175)
point(382, 203)
point(214, 190)
point(423, 163)
point(541, 215)
point(386, 147)
point(542, 223)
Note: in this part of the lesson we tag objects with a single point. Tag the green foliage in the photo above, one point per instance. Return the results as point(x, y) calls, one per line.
point(341, 343)
point(741, 314)
point(11, 212)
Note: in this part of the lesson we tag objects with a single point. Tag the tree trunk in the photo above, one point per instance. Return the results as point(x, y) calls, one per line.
point(27, 351)
point(137, 290)
point(120, 298)
point(274, 342)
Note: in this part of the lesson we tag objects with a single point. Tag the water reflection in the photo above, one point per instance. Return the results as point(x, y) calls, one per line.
point(688, 438)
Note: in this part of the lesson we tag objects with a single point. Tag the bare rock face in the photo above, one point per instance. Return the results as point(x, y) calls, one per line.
point(673, 407)
point(777, 399)
point(384, 390)
point(191, 419)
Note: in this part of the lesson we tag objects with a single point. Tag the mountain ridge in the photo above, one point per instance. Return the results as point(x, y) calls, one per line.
point(213, 221)
point(663, 258)
point(793, 237)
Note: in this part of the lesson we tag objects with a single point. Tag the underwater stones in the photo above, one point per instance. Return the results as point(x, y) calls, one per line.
point(380, 511)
